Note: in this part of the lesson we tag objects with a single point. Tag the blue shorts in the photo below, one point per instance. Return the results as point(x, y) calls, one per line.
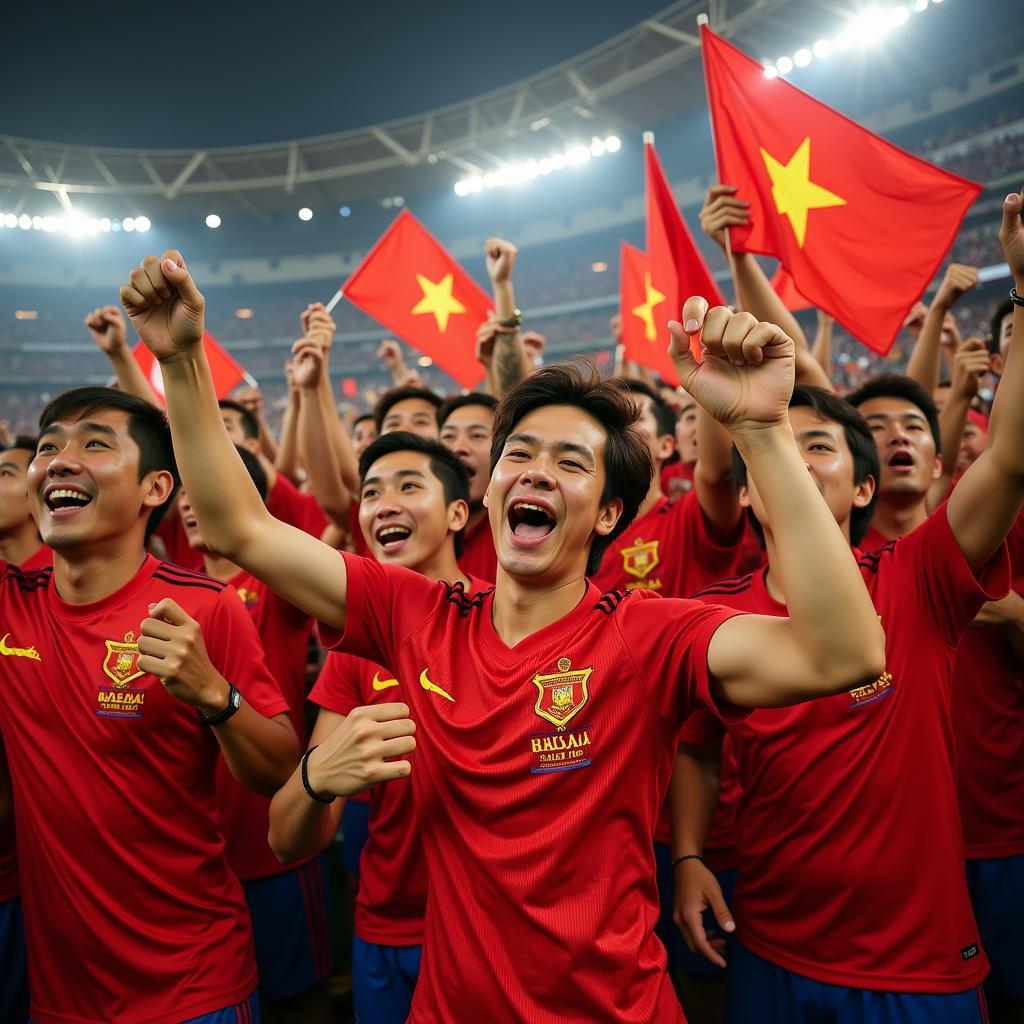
point(291, 927)
point(679, 955)
point(245, 1012)
point(760, 992)
point(13, 965)
point(355, 830)
point(997, 895)
point(383, 981)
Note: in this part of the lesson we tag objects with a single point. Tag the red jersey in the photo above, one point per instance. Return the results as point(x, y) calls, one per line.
point(244, 815)
point(677, 478)
point(176, 545)
point(41, 559)
point(539, 772)
point(113, 780)
point(478, 556)
point(850, 847)
point(287, 503)
point(355, 532)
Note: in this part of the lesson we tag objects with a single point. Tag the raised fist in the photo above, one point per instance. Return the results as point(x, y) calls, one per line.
point(390, 353)
point(915, 319)
point(722, 210)
point(534, 343)
point(307, 363)
point(615, 326)
point(164, 305)
point(252, 399)
point(106, 325)
point(970, 364)
point(1011, 235)
point(501, 258)
point(959, 280)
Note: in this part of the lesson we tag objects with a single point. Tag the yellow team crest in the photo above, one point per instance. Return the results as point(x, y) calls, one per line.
point(641, 559)
point(122, 661)
point(562, 694)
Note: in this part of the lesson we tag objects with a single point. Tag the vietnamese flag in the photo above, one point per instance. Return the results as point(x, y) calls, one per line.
point(412, 286)
point(861, 225)
point(677, 268)
point(226, 372)
point(782, 282)
point(643, 330)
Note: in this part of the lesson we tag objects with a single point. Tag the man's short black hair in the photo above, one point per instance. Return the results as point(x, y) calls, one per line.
point(391, 398)
point(895, 385)
point(250, 425)
point(663, 414)
point(24, 442)
point(461, 401)
point(1002, 311)
point(444, 464)
point(256, 471)
point(859, 439)
point(627, 459)
point(147, 427)
point(362, 418)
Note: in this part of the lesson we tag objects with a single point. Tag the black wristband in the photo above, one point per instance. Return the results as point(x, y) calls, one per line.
point(1015, 298)
point(688, 856)
point(233, 704)
point(304, 769)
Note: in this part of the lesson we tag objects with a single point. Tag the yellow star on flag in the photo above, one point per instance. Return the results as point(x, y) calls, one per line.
point(438, 299)
point(652, 297)
point(794, 192)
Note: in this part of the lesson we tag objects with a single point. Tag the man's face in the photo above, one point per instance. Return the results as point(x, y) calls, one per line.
point(467, 432)
point(403, 513)
point(14, 508)
point(686, 433)
point(1005, 332)
point(544, 496)
point(364, 433)
point(189, 523)
point(906, 448)
point(826, 454)
point(661, 445)
point(84, 485)
point(233, 423)
point(415, 415)
point(972, 444)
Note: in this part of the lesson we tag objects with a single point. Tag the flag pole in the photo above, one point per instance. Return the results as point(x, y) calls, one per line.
point(249, 379)
point(334, 301)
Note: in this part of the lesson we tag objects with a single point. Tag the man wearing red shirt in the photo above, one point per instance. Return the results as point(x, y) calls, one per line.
point(414, 505)
point(677, 476)
point(115, 704)
point(819, 940)
point(288, 903)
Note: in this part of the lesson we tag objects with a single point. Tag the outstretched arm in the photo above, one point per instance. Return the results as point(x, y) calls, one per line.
point(167, 311)
point(745, 381)
point(509, 362)
point(926, 357)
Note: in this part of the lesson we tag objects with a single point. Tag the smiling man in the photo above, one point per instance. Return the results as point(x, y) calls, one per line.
point(547, 711)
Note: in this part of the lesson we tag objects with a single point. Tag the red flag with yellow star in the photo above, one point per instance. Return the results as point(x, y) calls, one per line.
point(677, 268)
point(226, 372)
point(643, 330)
point(861, 225)
point(409, 283)
point(782, 282)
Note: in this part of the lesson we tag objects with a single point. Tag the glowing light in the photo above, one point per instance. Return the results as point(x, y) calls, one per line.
point(784, 65)
point(802, 58)
point(822, 49)
point(244, 313)
point(600, 267)
point(612, 144)
point(771, 71)
point(212, 220)
point(25, 222)
point(346, 211)
point(305, 213)
point(597, 147)
point(142, 224)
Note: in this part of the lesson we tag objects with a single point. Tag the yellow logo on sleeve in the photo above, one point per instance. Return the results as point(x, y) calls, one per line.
point(382, 684)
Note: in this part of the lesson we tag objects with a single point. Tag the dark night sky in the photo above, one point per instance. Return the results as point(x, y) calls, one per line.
point(181, 73)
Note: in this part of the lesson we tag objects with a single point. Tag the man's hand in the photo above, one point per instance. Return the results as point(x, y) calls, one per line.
point(361, 752)
point(615, 327)
point(171, 647)
point(534, 343)
point(252, 399)
point(501, 258)
point(1011, 235)
point(106, 325)
point(486, 335)
point(164, 305)
point(307, 363)
point(723, 210)
point(970, 364)
point(697, 889)
point(390, 354)
point(316, 320)
point(915, 319)
point(959, 280)
point(745, 377)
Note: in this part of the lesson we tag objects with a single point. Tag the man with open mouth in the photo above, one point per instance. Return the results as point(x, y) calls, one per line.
point(546, 711)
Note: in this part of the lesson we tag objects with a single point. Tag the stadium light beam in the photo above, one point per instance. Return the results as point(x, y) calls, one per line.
point(305, 213)
point(212, 220)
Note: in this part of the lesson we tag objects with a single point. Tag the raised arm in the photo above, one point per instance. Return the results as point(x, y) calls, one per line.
point(167, 311)
point(509, 360)
point(832, 640)
point(288, 459)
point(822, 347)
point(926, 357)
point(252, 398)
point(987, 500)
point(106, 325)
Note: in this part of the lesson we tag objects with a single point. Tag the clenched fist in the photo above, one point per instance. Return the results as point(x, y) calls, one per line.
point(106, 325)
point(164, 305)
point(307, 363)
point(501, 258)
point(959, 279)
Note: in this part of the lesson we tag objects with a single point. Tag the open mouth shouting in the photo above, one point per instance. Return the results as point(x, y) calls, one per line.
point(902, 461)
point(530, 522)
point(64, 501)
point(392, 537)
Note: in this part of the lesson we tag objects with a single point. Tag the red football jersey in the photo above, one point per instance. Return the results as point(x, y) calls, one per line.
point(478, 556)
point(120, 854)
point(539, 772)
point(299, 508)
point(670, 550)
point(175, 542)
point(677, 478)
point(41, 559)
point(244, 815)
point(850, 847)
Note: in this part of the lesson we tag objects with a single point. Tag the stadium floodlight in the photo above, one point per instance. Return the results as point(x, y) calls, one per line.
point(142, 224)
point(25, 222)
point(212, 220)
point(802, 57)
point(612, 144)
point(771, 71)
point(305, 213)
point(784, 65)
point(920, 5)
point(345, 211)
point(128, 223)
point(822, 49)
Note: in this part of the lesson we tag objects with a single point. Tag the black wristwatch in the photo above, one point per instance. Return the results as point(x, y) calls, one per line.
point(515, 320)
point(234, 703)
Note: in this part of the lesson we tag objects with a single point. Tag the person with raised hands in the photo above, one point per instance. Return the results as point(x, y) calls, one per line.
point(107, 328)
point(543, 709)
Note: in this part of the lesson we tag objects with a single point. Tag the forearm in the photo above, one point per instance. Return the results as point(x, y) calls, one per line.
point(130, 376)
point(952, 420)
point(322, 467)
point(299, 825)
point(288, 460)
point(267, 442)
point(344, 456)
point(712, 475)
point(509, 362)
point(693, 794)
point(260, 752)
point(757, 296)
point(822, 347)
point(1006, 425)
point(927, 354)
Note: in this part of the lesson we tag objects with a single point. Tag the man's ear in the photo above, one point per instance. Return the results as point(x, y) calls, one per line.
point(458, 515)
point(864, 492)
point(744, 496)
point(161, 487)
point(609, 515)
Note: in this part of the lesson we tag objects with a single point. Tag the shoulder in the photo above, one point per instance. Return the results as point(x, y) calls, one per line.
point(197, 593)
point(184, 579)
point(463, 602)
point(16, 579)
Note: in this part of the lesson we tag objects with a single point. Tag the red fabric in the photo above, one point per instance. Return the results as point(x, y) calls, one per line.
point(42, 558)
point(850, 846)
point(478, 556)
point(677, 479)
point(120, 855)
point(244, 815)
point(387, 286)
point(979, 419)
point(542, 902)
point(176, 545)
point(677, 268)
point(359, 545)
point(287, 503)
point(786, 290)
point(873, 540)
point(226, 372)
point(865, 262)
point(644, 312)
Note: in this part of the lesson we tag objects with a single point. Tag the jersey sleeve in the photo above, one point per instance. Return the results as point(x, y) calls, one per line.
point(384, 604)
point(337, 687)
point(935, 571)
point(718, 554)
point(668, 639)
point(701, 727)
point(236, 652)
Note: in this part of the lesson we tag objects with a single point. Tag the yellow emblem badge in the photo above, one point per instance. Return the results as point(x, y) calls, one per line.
point(121, 664)
point(641, 559)
point(562, 694)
